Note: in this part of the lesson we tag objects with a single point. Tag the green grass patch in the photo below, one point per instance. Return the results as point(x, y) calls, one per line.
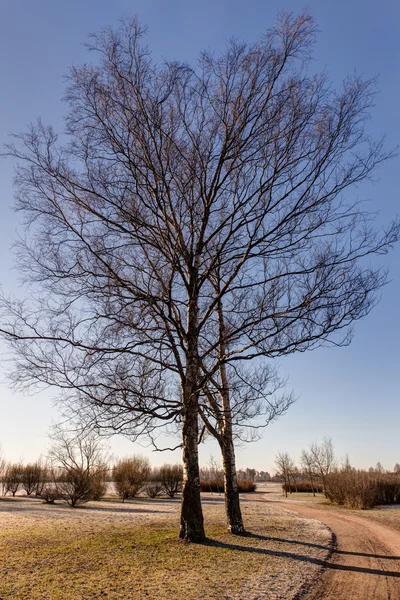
point(121, 562)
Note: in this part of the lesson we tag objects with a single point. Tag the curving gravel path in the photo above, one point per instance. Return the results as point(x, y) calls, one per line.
point(365, 562)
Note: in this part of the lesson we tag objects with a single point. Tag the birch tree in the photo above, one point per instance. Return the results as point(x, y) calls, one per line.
point(179, 195)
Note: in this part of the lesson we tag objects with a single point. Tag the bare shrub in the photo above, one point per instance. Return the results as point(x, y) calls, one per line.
point(246, 486)
point(130, 476)
point(2, 470)
point(171, 477)
point(153, 489)
point(323, 460)
point(13, 475)
point(285, 466)
point(49, 491)
point(74, 486)
point(309, 487)
point(99, 482)
point(217, 486)
point(33, 477)
point(80, 466)
point(362, 489)
point(308, 467)
point(212, 485)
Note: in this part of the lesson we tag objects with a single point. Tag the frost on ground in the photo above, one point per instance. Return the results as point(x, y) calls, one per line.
point(113, 550)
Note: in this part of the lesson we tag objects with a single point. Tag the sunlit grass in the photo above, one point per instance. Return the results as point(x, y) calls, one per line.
point(90, 553)
point(124, 562)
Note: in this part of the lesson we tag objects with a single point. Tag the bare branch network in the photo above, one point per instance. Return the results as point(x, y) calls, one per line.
point(196, 219)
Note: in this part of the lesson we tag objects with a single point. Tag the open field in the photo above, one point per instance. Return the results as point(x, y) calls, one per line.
point(386, 515)
point(114, 550)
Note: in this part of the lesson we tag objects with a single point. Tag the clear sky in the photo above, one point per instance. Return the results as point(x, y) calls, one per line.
point(350, 394)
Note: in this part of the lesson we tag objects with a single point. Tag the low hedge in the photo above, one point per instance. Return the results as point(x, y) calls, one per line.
point(217, 486)
point(303, 487)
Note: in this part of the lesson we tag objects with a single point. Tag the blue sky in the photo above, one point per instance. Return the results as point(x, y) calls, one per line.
point(350, 394)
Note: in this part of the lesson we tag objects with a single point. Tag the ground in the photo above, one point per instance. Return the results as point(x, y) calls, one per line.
point(365, 562)
point(299, 547)
point(113, 550)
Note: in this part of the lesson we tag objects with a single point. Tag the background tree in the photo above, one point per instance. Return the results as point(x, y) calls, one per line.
point(285, 465)
point(130, 476)
point(153, 485)
point(181, 195)
point(308, 466)
point(33, 478)
point(79, 466)
point(171, 477)
point(323, 459)
point(2, 469)
point(12, 478)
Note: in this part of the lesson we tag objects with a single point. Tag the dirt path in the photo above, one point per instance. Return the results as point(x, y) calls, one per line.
point(365, 562)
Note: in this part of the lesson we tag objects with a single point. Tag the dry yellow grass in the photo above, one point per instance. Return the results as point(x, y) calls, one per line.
point(384, 515)
point(109, 550)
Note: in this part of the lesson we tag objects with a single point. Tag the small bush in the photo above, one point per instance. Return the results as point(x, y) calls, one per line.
point(171, 477)
point(99, 482)
point(74, 486)
point(130, 476)
point(77, 485)
point(49, 493)
point(212, 485)
point(153, 489)
point(13, 477)
point(34, 475)
point(305, 487)
point(245, 486)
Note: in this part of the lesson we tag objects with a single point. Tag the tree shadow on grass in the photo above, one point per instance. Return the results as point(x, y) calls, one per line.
point(335, 550)
point(36, 505)
point(302, 558)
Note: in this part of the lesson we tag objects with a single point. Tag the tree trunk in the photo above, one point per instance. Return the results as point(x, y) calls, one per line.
point(192, 523)
point(312, 484)
point(232, 502)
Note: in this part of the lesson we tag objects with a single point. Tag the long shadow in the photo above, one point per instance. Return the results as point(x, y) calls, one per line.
point(302, 558)
point(123, 509)
point(39, 506)
point(318, 546)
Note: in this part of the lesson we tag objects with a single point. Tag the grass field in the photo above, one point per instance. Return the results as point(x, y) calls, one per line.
point(110, 550)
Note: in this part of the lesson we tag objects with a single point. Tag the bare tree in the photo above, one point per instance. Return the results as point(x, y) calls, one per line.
point(2, 469)
point(308, 465)
point(182, 195)
point(130, 476)
point(396, 468)
point(323, 459)
point(285, 465)
point(33, 478)
point(79, 466)
point(12, 479)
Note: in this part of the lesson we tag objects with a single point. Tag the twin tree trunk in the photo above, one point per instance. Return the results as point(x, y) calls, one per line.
point(192, 523)
point(232, 502)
